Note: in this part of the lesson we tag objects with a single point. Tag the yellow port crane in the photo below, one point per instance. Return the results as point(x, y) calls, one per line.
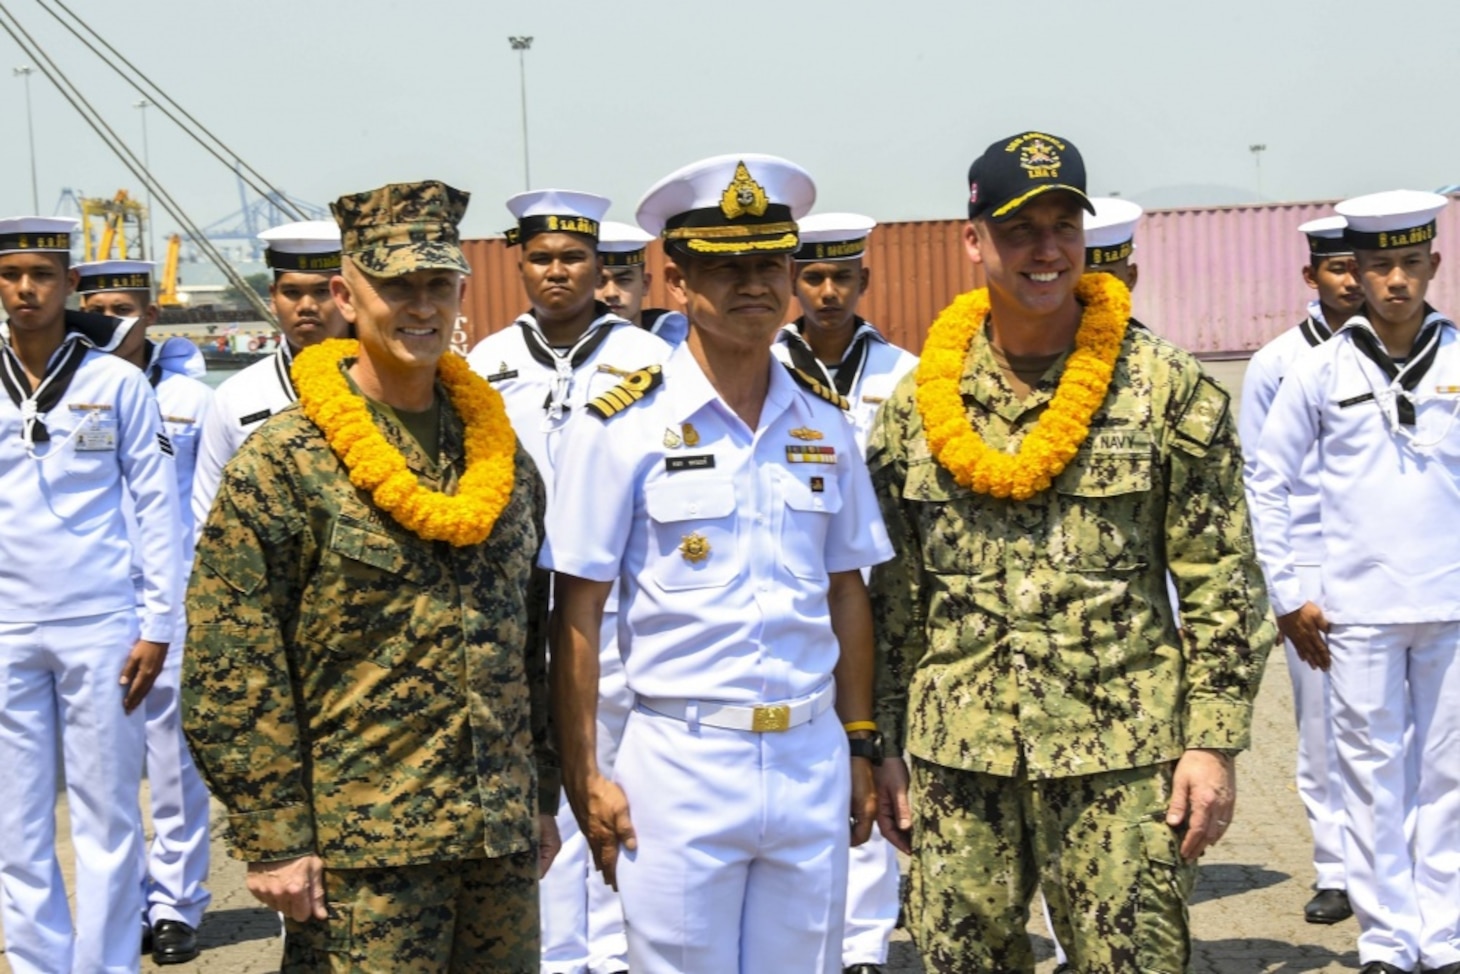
point(167, 284)
point(116, 228)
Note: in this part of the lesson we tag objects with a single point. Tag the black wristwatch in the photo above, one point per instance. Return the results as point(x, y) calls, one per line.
point(867, 747)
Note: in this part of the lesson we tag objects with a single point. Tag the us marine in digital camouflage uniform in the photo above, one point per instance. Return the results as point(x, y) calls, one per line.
point(369, 705)
point(1062, 731)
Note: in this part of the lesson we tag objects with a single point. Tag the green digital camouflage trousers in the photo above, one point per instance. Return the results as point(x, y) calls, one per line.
point(1097, 845)
point(474, 916)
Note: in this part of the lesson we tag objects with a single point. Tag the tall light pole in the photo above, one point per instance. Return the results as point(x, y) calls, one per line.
point(1257, 150)
point(142, 107)
point(522, 45)
point(25, 71)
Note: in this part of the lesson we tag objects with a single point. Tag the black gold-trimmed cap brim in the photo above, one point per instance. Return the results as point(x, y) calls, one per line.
point(1013, 206)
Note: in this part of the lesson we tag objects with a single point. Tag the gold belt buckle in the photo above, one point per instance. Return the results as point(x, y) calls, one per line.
point(773, 718)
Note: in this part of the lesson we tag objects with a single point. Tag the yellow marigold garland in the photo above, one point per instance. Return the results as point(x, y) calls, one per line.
point(1056, 437)
point(465, 518)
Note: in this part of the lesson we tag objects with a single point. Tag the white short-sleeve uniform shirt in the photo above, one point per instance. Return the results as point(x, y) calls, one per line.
point(722, 537)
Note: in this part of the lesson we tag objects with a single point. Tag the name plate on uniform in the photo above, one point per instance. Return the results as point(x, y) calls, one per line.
point(257, 417)
point(1122, 441)
point(703, 461)
point(102, 436)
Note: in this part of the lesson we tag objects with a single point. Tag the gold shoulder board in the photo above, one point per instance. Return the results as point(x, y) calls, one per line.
point(818, 388)
point(636, 386)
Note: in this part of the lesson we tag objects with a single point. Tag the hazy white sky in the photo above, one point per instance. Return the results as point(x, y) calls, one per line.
point(886, 103)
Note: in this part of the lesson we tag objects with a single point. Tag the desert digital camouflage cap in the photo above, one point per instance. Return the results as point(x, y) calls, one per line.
point(403, 227)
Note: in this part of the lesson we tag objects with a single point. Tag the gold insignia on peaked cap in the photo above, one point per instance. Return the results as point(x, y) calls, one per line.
point(403, 227)
point(695, 547)
point(743, 195)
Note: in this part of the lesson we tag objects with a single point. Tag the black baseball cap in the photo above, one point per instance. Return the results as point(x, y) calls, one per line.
point(1013, 171)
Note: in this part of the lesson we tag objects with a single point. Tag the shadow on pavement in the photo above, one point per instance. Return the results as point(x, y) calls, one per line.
point(238, 925)
point(1241, 954)
point(1219, 880)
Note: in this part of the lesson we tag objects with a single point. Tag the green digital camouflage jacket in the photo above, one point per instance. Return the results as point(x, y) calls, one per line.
point(352, 691)
point(1037, 636)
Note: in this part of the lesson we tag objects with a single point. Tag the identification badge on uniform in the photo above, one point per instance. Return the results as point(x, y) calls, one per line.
point(252, 418)
point(702, 461)
point(180, 420)
point(796, 453)
point(96, 438)
point(1122, 442)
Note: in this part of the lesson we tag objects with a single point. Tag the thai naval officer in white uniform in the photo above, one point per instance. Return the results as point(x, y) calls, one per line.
point(565, 350)
point(1330, 272)
point(733, 507)
point(1380, 401)
point(625, 279)
point(79, 430)
point(303, 257)
point(845, 352)
point(176, 866)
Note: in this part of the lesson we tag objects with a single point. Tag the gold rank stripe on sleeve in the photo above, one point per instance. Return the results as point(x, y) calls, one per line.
point(817, 388)
point(636, 386)
point(805, 453)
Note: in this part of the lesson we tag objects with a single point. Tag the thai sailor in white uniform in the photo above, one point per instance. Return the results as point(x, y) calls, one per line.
point(1380, 403)
point(176, 866)
point(563, 351)
point(742, 516)
point(833, 344)
point(79, 430)
point(1330, 273)
point(625, 280)
point(303, 257)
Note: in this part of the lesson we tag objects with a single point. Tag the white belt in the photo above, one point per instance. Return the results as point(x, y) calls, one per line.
point(732, 716)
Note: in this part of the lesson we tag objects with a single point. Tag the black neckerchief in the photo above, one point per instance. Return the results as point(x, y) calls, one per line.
point(57, 379)
point(1422, 355)
point(1314, 331)
point(649, 318)
point(582, 349)
point(847, 370)
point(283, 359)
point(154, 362)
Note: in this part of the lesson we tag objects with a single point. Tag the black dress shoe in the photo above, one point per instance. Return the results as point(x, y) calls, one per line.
point(1447, 969)
point(863, 969)
point(1379, 967)
point(173, 942)
point(1328, 906)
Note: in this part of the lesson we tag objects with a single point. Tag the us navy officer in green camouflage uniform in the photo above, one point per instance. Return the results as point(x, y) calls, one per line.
point(365, 677)
point(1062, 730)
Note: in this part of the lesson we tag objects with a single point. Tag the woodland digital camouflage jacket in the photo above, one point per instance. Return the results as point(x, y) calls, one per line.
point(1038, 635)
point(352, 691)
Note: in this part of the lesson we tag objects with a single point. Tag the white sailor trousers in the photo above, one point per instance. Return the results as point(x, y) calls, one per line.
point(58, 680)
point(1319, 783)
point(1388, 679)
point(741, 863)
point(872, 902)
point(582, 918)
point(176, 865)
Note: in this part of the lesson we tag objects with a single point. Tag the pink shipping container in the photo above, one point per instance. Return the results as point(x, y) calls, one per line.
point(1218, 281)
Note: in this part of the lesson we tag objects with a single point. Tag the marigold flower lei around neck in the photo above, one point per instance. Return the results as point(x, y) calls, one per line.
point(1056, 437)
point(465, 518)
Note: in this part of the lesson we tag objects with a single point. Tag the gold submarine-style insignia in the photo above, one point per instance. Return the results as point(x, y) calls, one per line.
point(804, 433)
point(694, 547)
point(743, 195)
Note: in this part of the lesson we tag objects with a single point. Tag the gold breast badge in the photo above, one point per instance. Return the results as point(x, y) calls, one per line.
point(691, 435)
point(802, 433)
point(694, 547)
point(671, 439)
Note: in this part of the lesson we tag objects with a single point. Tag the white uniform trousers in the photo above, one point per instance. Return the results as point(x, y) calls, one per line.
point(1319, 783)
point(176, 866)
point(741, 863)
point(58, 680)
point(582, 918)
point(872, 901)
point(1405, 889)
